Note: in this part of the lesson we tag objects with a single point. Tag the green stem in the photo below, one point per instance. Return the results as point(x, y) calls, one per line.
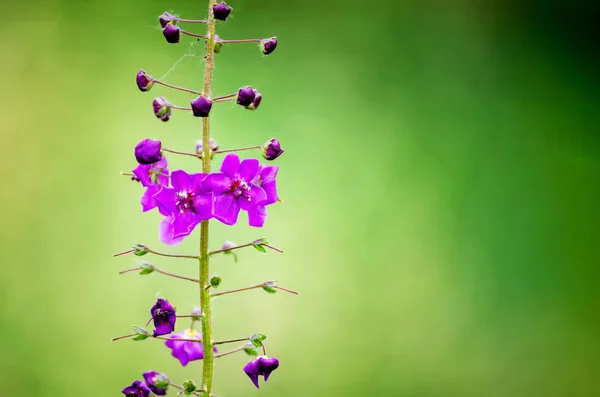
point(208, 361)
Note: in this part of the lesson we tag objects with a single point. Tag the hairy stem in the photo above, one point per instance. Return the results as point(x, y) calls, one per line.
point(208, 361)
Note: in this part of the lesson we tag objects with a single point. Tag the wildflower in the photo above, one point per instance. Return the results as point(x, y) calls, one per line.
point(156, 382)
point(164, 317)
point(262, 366)
point(148, 151)
point(166, 18)
point(233, 188)
point(152, 177)
point(221, 11)
point(271, 149)
point(162, 108)
point(255, 101)
point(245, 96)
point(186, 351)
point(267, 46)
point(201, 106)
point(137, 389)
point(171, 33)
point(184, 203)
point(144, 81)
point(266, 179)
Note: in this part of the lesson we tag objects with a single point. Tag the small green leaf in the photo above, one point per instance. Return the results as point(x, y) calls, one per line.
point(146, 270)
point(250, 351)
point(259, 248)
point(140, 337)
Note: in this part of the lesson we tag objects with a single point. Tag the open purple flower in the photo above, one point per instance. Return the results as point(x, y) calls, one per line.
point(144, 81)
point(152, 177)
point(221, 11)
point(245, 96)
point(171, 33)
point(262, 366)
point(156, 382)
point(266, 179)
point(137, 389)
point(162, 108)
point(166, 18)
point(148, 151)
point(271, 149)
point(201, 106)
point(233, 188)
point(267, 46)
point(186, 351)
point(185, 203)
point(164, 317)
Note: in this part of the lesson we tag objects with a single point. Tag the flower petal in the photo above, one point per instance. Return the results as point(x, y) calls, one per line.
point(256, 195)
point(203, 205)
point(249, 169)
point(166, 233)
point(148, 202)
point(230, 165)
point(194, 350)
point(165, 198)
point(142, 173)
point(217, 183)
point(257, 215)
point(226, 209)
point(252, 369)
point(184, 223)
point(180, 180)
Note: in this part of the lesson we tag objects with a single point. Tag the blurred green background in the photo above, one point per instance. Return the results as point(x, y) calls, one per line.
point(440, 187)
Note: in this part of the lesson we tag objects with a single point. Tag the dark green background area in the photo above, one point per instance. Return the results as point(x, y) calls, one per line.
point(440, 187)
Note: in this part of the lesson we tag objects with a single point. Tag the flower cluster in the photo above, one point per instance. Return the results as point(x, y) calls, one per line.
point(189, 198)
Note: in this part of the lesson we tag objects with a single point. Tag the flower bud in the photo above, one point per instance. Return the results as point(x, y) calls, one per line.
point(245, 96)
point(166, 18)
point(137, 389)
point(271, 149)
point(255, 102)
point(218, 44)
point(267, 46)
point(156, 382)
point(171, 33)
point(162, 108)
point(148, 151)
point(221, 11)
point(213, 146)
point(215, 281)
point(144, 81)
point(201, 106)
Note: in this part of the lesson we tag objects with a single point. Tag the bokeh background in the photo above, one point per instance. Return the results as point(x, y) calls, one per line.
point(440, 187)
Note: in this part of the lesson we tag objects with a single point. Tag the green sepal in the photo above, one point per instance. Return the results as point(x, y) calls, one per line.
point(250, 351)
point(215, 281)
point(260, 248)
point(189, 387)
point(257, 339)
point(140, 250)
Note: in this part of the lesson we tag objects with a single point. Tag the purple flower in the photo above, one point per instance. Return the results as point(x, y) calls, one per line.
point(221, 11)
point(262, 366)
point(266, 179)
point(201, 106)
point(171, 33)
point(148, 151)
point(255, 102)
point(156, 382)
point(166, 231)
point(162, 108)
point(233, 189)
point(137, 389)
point(186, 351)
point(165, 18)
point(164, 317)
point(267, 46)
point(185, 204)
point(245, 96)
point(144, 81)
point(152, 177)
point(271, 149)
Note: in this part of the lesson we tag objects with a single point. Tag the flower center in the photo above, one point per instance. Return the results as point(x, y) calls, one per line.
point(240, 188)
point(184, 201)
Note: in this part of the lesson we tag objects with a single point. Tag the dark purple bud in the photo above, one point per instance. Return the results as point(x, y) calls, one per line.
point(271, 149)
point(171, 33)
point(137, 389)
point(213, 146)
point(255, 102)
point(156, 382)
point(144, 81)
point(267, 46)
point(166, 18)
point(162, 108)
point(245, 96)
point(148, 151)
point(221, 11)
point(262, 366)
point(201, 106)
point(164, 317)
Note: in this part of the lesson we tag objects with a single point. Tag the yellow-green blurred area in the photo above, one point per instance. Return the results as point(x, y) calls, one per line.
point(440, 188)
